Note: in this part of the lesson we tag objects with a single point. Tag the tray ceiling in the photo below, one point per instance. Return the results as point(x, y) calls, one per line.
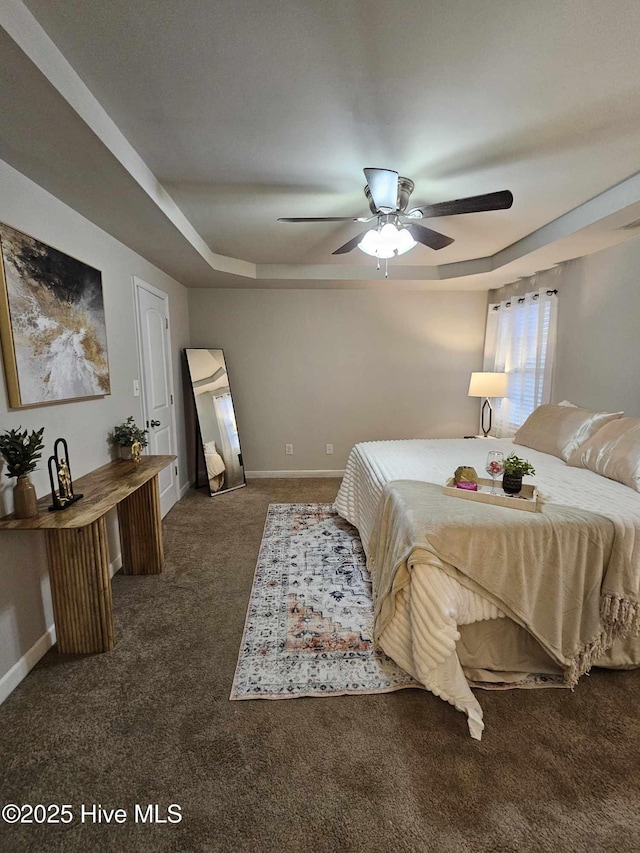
point(207, 121)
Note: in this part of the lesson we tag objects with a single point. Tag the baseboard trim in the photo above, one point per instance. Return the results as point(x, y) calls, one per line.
point(23, 667)
point(115, 565)
point(277, 475)
point(183, 490)
point(19, 671)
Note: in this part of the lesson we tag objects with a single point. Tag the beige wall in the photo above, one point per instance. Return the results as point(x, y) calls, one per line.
point(311, 367)
point(25, 603)
point(598, 350)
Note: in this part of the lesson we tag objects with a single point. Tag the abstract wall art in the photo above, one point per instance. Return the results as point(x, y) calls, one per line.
point(52, 324)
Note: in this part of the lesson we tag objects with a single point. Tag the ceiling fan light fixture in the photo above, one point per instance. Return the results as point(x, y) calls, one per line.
point(404, 241)
point(387, 241)
point(388, 194)
point(369, 243)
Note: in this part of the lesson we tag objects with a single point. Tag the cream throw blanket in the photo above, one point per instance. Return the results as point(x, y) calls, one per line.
point(578, 593)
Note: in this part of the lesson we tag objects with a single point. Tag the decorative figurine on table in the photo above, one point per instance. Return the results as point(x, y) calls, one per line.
point(62, 496)
point(136, 450)
point(466, 477)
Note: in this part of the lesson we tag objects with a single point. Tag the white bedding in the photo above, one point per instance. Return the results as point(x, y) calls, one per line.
point(215, 464)
point(423, 635)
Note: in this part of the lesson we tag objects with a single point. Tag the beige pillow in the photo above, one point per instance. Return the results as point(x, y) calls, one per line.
point(614, 452)
point(560, 430)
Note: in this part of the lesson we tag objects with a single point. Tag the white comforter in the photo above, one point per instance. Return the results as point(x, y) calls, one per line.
point(423, 634)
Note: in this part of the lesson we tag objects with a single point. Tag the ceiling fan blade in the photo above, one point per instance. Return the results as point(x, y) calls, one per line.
point(351, 245)
point(501, 200)
point(322, 219)
point(427, 237)
point(383, 186)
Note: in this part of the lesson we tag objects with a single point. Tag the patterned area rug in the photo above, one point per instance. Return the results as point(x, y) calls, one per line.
point(309, 623)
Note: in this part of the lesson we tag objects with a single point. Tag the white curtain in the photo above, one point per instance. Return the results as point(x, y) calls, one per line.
point(229, 439)
point(521, 340)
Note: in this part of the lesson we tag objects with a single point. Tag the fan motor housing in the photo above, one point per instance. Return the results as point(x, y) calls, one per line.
point(405, 188)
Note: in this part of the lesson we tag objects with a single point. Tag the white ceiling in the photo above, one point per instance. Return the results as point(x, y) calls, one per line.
point(245, 111)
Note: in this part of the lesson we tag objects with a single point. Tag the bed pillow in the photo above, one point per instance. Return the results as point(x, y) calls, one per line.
point(561, 430)
point(613, 452)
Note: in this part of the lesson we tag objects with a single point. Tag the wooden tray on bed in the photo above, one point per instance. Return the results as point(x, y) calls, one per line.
point(527, 500)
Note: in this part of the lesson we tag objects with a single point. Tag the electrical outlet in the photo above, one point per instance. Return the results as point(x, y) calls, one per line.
point(329, 449)
point(288, 449)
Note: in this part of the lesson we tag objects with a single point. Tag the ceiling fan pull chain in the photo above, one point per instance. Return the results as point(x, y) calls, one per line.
point(386, 267)
point(378, 264)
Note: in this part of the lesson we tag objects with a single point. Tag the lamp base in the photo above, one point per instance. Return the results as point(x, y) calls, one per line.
point(486, 406)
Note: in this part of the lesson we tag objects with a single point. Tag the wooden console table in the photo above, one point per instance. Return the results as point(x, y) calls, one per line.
point(77, 547)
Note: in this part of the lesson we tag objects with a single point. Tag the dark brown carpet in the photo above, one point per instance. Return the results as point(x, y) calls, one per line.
point(151, 722)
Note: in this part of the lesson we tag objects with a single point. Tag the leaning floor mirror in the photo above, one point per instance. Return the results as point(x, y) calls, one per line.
point(218, 453)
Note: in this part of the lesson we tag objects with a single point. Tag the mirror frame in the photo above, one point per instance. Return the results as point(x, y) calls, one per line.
point(199, 444)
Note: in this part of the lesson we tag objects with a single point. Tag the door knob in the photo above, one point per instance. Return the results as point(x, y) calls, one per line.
point(155, 423)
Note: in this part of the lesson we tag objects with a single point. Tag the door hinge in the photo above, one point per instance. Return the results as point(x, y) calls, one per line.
point(166, 322)
point(171, 395)
point(176, 469)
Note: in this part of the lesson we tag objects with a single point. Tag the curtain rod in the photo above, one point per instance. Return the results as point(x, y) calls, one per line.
point(522, 299)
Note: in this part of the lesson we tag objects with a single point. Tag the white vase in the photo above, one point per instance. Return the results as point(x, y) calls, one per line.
point(125, 452)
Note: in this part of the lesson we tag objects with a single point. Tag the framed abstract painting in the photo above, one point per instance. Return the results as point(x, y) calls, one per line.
point(52, 324)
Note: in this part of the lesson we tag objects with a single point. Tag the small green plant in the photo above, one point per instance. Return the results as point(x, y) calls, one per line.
point(125, 434)
point(516, 467)
point(21, 450)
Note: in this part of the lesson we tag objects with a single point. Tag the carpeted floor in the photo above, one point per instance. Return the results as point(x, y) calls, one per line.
point(151, 722)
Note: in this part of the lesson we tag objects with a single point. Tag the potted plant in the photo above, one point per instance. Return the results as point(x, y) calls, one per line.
point(21, 452)
point(125, 435)
point(512, 473)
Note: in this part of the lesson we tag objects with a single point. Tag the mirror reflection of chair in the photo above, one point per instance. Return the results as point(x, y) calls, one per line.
point(218, 451)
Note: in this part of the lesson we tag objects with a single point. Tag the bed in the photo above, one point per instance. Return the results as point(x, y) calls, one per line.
point(474, 642)
point(215, 466)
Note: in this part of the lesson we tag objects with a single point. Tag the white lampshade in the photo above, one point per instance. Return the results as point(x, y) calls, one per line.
point(387, 242)
point(488, 385)
point(404, 241)
point(369, 243)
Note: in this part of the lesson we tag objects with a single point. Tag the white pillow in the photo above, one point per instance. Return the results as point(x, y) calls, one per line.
point(560, 430)
point(613, 452)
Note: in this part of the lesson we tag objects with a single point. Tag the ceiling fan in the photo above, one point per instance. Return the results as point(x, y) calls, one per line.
point(395, 230)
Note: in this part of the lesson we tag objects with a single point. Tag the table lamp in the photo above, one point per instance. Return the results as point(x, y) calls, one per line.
point(487, 385)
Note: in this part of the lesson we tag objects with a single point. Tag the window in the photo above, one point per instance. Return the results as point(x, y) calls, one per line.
point(520, 340)
point(223, 406)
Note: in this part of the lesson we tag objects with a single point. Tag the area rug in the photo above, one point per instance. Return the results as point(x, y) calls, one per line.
point(308, 630)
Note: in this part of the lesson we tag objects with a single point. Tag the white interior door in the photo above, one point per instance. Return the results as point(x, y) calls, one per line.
point(157, 383)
